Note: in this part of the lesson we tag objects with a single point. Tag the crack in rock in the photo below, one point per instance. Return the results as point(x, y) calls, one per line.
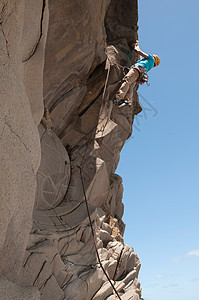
point(43, 286)
point(17, 137)
point(7, 49)
point(40, 36)
point(42, 267)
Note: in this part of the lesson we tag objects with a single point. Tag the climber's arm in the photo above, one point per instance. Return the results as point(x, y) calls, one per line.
point(142, 53)
point(137, 48)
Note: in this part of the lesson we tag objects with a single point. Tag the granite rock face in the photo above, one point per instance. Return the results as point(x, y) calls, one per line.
point(21, 110)
point(61, 137)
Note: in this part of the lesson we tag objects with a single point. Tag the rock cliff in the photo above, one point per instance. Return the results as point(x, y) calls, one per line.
point(61, 136)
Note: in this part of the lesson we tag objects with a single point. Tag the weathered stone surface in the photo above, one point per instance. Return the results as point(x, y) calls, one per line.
point(127, 17)
point(36, 16)
point(54, 172)
point(72, 48)
point(9, 290)
point(78, 53)
point(20, 145)
point(104, 292)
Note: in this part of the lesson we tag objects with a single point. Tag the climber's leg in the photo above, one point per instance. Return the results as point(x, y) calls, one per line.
point(129, 94)
point(130, 79)
point(123, 90)
point(132, 75)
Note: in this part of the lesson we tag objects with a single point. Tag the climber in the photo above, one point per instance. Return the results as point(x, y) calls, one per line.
point(136, 74)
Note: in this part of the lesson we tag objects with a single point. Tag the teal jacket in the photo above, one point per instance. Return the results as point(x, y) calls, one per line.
point(146, 63)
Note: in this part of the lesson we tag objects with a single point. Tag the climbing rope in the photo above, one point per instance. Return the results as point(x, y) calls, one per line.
point(80, 167)
point(123, 68)
point(96, 122)
point(93, 235)
point(105, 86)
point(124, 73)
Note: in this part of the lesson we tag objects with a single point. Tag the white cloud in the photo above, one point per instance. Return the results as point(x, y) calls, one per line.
point(193, 253)
point(158, 276)
point(188, 254)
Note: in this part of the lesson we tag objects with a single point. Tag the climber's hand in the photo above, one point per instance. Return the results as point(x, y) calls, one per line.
point(136, 46)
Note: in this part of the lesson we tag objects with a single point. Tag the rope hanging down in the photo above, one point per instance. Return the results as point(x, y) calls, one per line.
point(85, 197)
point(93, 235)
point(80, 167)
point(92, 132)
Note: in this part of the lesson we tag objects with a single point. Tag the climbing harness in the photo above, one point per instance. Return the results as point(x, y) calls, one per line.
point(143, 77)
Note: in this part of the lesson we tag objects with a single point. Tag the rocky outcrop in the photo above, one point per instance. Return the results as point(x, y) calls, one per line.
point(61, 137)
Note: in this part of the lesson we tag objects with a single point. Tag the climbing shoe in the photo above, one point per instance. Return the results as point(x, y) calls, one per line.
point(124, 103)
point(118, 101)
point(121, 103)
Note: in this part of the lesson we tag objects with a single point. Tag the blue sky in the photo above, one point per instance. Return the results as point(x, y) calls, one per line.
point(159, 163)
